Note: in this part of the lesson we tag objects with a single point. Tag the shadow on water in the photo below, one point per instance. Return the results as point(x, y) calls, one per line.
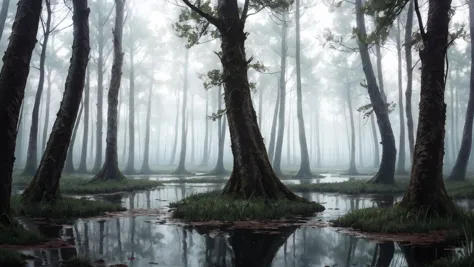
point(143, 241)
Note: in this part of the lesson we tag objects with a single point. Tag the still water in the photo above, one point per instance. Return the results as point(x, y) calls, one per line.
point(148, 241)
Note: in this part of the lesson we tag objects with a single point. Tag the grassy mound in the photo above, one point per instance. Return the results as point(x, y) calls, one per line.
point(11, 258)
point(397, 220)
point(64, 209)
point(18, 235)
point(214, 206)
point(76, 185)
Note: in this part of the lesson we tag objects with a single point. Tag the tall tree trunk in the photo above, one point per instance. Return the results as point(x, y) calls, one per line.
point(85, 134)
point(281, 98)
point(458, 173)
point(456, 121)
point(145, 166)
point(69, 164)
point(360, 143)
point(3, 16)
point(453, 131)
point(130, 168)
point(205, 156)
point(318, 138)
point(260, 104)
point(409, 69)
point(110, 169)
point(48, 105)
point(426, 191)
point(192, 130)
point(288, 143)
point(32, 154)
point(352, 165)
point(100, 87)
point(13, 78)
point(45, 184)
point(175, 142)
point(271, 145)
point(378, 56)
point(376, 142)
point(305, 170)
point(385, 174)
point(401, 150)
point(219, 168)
point(181, 169)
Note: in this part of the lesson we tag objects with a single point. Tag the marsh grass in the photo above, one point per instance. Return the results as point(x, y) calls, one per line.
point(214, 206)
point(66, 208)
point(464, 261)
point(11, 258)
point(18, 235)
point(398, 220)
point(77, 185)
point(76, 262)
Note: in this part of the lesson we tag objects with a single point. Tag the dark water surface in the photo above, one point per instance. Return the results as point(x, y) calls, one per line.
point(145, 241)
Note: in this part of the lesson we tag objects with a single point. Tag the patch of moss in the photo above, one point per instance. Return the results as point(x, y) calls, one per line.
point(11, 258)
point(66, 208)
point(76, 262)
point(80, 186)
point(397, 219)
point(466, 261)
point(214, 206)
point(18, 235)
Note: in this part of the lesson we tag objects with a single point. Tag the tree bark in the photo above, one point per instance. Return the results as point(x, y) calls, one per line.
point(205, 156)
point(45, 184)
point(85, 134)
point(281, 98)
point(47, 104)
point(110, 169)
point(219, 168)
point(181, 169)
point(458, 173)
point(69, 164)
point(376, 142)
point(145, 166)
point(100, 87)
point(271, 145)
point(426, 191)
point(13, 78)
point(401, 150)
point(385, 174)
point(130, 168)
point(260, 104)
point(32, 154)
point(352, 165)
point(378, 56)
point(3, 16)
point(409, 69)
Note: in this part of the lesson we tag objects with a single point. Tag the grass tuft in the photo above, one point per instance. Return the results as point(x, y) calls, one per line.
point(18, 235)
point(397, 219)
point(214, 206)
point(76, 262)
point(11, 258)
point(465, 261)
point(81, 186)
point(66, 208)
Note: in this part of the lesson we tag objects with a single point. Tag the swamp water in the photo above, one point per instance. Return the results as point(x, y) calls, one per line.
point(143, 239)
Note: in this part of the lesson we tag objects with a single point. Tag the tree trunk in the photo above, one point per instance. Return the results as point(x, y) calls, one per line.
point(46, 116)
point(192, 130)
point(385, 174)
point(45, 184)
point(271, 145)
point(205, 156)
point(85, 134)
point(3, 16)
point(359, 128)
point(401, 150)
point(69, 164)
point(130, 168)
point(378, 56)
point(13, 78)
point(219, 169)
point(32, 154)
point(260, 104)
point(281, 98)
point(100, 87)
point(110, 169)
point(318, 138)
point(458, 173)
point(453, 127)
point(376, 142)
point(181, 169)
point(145, 166)
point(409, 68)
point(175, 142)
point(305, 170)
point(352, 165)
point(426, 191)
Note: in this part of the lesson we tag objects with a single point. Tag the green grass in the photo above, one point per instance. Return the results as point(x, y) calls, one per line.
point(80, 186)
point(467, 261)
point(77, 262)
point(11, 258)
point(203, 180)
point(18, 235)
point(396, 219)
point(214, 206)
point(67, 208)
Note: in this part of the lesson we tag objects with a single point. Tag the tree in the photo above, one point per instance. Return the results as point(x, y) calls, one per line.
point(409, 69)
point(385, 174)
point(69, 165)
point(45, 183)
point(458, 173)
point(85, 135)
point(13, 78)
point(401, 150)
point(426, 191)
point(110, 169)
point(219, 169)
point(32, 154)
point(252, 174)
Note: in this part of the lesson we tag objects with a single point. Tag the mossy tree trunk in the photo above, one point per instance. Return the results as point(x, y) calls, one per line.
point(401, 150)
point(110, 169)
point(458, 173)
point(409, 69)
point(13, 78)
point(85, 135)
point(386, 172)
point(426, 191)
point(32, 154)
point(45, 184)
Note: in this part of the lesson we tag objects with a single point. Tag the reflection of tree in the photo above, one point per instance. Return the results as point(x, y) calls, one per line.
point(416, 256)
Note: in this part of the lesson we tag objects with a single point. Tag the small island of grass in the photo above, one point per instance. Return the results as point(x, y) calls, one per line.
point(12, 258)
point(216, 206)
